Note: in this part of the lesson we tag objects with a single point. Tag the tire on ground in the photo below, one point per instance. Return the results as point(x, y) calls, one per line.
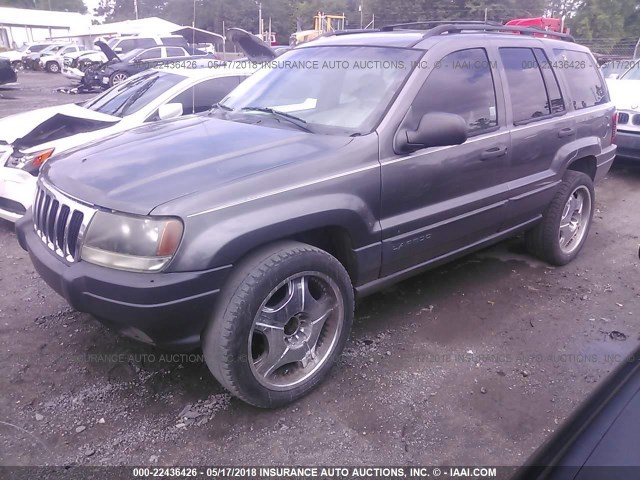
point(116, 75)
point(544, 239)
point(226, 338)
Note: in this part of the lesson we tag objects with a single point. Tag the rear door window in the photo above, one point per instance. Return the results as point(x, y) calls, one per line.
point(551, 81)
point(586, 87)
point(461, 83)
point(526, 85)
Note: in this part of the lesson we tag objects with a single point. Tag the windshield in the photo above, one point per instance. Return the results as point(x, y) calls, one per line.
point(633, 73)
point(39, 48)
point(330, 89)
point(51, 49)
point(132, 95)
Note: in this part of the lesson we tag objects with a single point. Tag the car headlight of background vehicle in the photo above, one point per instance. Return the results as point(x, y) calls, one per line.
point(30, 162)
point(125, 242)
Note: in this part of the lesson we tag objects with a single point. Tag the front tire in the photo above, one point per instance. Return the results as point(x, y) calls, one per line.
point(117, 77)
point(280, 324)
point(563, 231)
point(53, 67)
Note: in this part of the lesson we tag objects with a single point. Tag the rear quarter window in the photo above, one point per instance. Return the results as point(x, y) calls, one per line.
point(586, 88)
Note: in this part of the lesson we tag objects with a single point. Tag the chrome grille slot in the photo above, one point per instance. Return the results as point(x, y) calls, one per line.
point(60, 221)
point(623, 118)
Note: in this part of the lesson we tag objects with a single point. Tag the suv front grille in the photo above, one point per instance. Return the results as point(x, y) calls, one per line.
point(60, 222)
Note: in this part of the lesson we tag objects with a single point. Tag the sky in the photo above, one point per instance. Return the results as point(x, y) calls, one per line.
point(91, 4)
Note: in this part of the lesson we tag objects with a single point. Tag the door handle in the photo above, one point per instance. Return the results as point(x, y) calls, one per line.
point(494, 152)
point(566, 132)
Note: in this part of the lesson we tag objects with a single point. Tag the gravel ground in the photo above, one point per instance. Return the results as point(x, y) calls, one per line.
point(474, 363)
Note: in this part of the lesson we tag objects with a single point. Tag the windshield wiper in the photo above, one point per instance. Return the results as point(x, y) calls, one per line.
point(222, 106)
point(122, 108)
point(297, 121)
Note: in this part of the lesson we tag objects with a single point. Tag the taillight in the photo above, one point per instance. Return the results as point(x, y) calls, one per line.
point(614, 127)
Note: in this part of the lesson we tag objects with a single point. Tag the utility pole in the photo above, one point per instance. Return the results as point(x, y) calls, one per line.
point(361, 14)
point(260, 19)
point(486, 14)
point(135, 7)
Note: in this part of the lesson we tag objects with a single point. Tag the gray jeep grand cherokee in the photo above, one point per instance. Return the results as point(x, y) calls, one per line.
point(351, 163)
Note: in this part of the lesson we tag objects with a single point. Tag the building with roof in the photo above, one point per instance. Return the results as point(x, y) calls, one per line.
point(18, 25)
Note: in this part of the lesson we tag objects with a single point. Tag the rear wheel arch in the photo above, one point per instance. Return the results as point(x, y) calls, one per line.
point(587, 165)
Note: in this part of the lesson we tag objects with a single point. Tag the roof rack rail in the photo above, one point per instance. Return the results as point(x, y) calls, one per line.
point(459, 27)
point(336, 33)
point(389, 28)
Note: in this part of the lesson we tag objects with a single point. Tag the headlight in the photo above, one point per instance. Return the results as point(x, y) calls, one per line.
point(31, 162)
point(141, 244)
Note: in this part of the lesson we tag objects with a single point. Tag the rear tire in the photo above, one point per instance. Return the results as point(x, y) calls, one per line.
point(280, 324)
point(565, 226)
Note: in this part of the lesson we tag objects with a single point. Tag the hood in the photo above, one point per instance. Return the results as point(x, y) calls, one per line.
point(254, 48)
point(106, 49)
point(137, 170)
point(28, 129)
point(12, 55)
point(625, 94)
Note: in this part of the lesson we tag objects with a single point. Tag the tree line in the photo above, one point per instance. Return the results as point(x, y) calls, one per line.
point(612, 20)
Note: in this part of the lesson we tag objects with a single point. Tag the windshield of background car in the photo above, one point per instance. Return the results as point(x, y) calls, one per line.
point(633, 73)
point(51, 49)
point(38, 48)
point(132, 95)
point(341, 90)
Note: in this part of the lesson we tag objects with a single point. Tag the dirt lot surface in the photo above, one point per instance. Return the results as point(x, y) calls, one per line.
point(474, 363)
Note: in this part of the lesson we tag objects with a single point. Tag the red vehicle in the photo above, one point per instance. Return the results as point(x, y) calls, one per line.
point(543, 23)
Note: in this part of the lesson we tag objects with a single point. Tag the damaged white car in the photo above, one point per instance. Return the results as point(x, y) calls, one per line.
point(29, 139)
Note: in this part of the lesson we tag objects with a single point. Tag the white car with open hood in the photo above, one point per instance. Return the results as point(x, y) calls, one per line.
point(625, 93)
point(27, 140)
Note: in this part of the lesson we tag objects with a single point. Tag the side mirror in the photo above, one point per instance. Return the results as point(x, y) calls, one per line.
point(613, 76)
point(170, 110)
point(434, 130)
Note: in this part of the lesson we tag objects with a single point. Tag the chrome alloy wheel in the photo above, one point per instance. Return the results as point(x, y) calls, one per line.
point(296, 330)
point(575, 220)
point(118, 78)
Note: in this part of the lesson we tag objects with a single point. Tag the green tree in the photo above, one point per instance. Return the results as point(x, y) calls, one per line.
point(606, 19)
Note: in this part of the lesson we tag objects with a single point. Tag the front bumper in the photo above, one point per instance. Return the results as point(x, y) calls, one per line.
point(72, 73)
point(17, 189)
point(628, 144)
point(165, 309)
